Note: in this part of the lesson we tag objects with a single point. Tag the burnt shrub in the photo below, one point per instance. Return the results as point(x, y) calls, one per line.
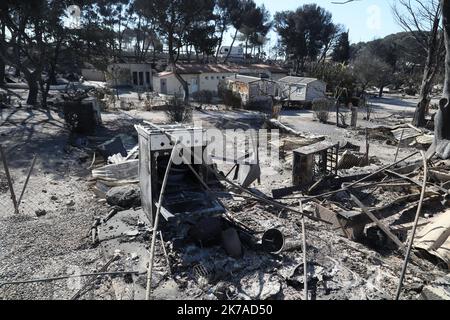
point(203, 96)
point(321, 109)
point(177, 111)
point(229, 98)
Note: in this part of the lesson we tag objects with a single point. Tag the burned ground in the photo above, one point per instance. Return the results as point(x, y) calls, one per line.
point(59, 242)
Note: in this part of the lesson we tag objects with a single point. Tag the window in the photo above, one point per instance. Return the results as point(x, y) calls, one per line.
point(218, 77)
point(223, 77)
point(135, 78)
point(147, 78)
point(206, 78)
point(141, 78)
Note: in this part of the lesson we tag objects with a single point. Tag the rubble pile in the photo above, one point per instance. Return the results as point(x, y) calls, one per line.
point(253, 248)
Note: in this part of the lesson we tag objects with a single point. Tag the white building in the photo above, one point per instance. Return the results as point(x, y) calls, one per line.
point(208, 76)
point(301, 89)
point(136, 75)
point(251, 89)
point(235, 53)
point(199, 77)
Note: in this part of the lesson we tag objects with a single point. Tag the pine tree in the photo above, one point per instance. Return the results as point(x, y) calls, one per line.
point(341, 51)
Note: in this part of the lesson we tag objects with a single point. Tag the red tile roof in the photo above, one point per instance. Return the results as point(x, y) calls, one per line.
point(223, 68)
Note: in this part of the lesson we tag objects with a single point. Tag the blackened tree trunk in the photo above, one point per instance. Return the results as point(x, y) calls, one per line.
point(219, 44)
point(45, 87)
point(429, 74)
point(2, 72)
point(32, 81)
point(446, 23)
point(380, 94)
point(172, 63)
point(2, 62)
point(441, 143)
point(231, 47)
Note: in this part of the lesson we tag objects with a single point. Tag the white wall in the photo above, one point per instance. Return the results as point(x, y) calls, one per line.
point(173, 85)
point(131, 68)
point(197, 82)
point(316, 90)
point(210, 81)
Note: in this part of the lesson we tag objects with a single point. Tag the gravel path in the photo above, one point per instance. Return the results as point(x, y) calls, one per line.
point(54, 243)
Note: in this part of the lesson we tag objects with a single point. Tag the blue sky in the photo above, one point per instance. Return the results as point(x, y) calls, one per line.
point(366, 19)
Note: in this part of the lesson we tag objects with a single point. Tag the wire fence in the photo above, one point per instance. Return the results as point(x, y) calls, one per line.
point(28, 190)
point(46, 288)
point(19, 192)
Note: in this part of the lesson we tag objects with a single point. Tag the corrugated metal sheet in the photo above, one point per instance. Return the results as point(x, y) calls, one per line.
point(434, 238)
point(244, 79)
point(408, 133)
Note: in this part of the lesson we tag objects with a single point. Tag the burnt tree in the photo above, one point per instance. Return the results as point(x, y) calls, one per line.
point(446, 24)
point(441, 144)
point(422, 20)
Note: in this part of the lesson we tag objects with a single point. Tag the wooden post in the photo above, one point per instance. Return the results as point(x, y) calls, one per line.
point(26, 181)
point(378, 223)
point(354, 117)
point(305, 265)
point(8, 177)
point(367, 147)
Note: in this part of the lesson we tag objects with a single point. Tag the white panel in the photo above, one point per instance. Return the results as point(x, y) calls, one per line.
point(188, 139)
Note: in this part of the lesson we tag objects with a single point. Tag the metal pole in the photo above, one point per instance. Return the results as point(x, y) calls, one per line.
point(367, 147)
point(416, 221)
point(305, 266)
point(398, 147)
point(8, 177)
point(155, 226)
point(26, 181)
point(113, 273)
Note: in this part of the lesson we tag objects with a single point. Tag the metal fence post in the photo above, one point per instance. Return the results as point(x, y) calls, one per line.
point(8, 177)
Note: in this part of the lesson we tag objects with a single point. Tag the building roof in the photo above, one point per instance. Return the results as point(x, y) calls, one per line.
point(297, 80)
point(242, 78)
point(269, 67)
point(223, 68)
point(207, 68)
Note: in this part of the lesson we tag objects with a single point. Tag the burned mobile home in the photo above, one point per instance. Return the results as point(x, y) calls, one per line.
point(251, 91)
point(301, 91)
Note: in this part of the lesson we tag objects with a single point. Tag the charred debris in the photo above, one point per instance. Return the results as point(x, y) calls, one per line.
point(346, 227)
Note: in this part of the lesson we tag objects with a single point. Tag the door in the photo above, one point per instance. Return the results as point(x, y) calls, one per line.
point(193, 85)
point(164, 86)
